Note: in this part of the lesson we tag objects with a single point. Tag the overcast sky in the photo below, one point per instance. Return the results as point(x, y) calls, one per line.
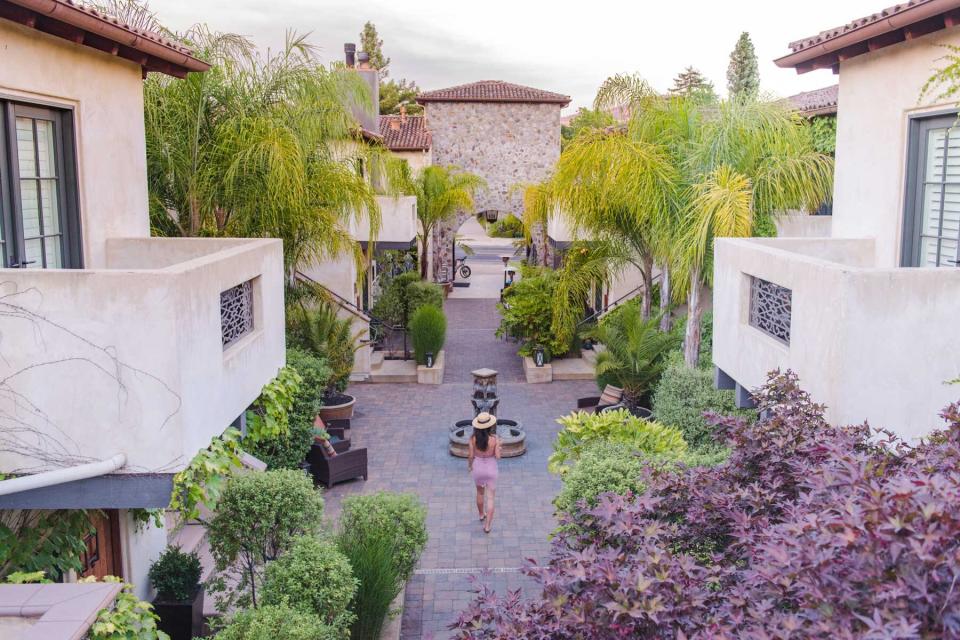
point(567, 47)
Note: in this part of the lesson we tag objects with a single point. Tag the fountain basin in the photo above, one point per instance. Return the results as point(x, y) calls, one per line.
point(512, 438)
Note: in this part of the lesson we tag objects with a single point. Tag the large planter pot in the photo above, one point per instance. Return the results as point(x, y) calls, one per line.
point(342, 411)
point(181, 620)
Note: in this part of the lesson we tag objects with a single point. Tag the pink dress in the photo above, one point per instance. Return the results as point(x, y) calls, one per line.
point(485, 465)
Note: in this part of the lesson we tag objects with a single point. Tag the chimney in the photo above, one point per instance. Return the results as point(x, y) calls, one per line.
point(350, 53)
point(395, 124)
point(372, 77)
point(403, 113)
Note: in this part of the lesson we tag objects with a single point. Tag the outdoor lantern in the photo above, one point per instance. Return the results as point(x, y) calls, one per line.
point(505, 259)
point(538, 356)
point(429, 359)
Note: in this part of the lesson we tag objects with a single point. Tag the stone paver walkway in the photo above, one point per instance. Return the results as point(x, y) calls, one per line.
point(405, 426)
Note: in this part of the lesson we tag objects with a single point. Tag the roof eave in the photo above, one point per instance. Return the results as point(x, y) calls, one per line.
point(928, 17)
point(103, 33)
point(561, 102)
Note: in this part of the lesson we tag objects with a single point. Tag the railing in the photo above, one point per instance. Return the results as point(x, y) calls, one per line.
point(391, 339)
point(630, 295)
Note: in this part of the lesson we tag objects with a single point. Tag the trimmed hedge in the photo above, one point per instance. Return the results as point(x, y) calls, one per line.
point(683, 396)
point(277, 623)
point(400, 515)
point(603, 466)
point(422, 293)
point(313, 577)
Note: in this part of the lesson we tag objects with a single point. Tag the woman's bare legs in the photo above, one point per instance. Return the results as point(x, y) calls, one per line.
point(491, 493)
point(480, 501)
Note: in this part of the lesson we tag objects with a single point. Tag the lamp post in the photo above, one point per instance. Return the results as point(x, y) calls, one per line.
point(429, 359)
point(538, 356)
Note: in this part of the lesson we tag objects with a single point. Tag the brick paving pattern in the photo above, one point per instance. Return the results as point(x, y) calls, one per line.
point(405, 426)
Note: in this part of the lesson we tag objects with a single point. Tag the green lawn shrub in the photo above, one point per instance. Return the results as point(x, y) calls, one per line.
point(684, 394)
point(428, 331)
point(175, 574)
point(603, 466)
point(315, 577)
point(527, 314)
point(258, 517)
point(401, 515)
point(391, 305)
point(422, 293)
point(582, 428)
point(277, 622)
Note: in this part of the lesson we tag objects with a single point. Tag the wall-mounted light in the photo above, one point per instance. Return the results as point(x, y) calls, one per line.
point(429, 359)
point(538, 356)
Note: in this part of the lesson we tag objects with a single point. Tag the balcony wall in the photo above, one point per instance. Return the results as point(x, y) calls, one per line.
point(871, 343)
point(398, 224)
point(130, 358)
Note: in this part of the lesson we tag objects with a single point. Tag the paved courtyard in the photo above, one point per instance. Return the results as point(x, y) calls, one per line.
point(404, 427)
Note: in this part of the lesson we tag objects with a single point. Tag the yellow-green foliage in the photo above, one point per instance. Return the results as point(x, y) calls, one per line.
point(644, 436)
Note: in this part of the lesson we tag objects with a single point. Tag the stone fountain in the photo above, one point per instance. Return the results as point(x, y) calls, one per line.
point(485, 398)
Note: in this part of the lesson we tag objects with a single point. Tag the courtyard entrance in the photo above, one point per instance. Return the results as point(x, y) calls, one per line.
point(404, 428)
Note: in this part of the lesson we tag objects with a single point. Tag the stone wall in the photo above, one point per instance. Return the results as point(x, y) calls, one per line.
point(506, 144)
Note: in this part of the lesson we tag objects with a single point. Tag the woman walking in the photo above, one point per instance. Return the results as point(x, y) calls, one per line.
point(482, 464)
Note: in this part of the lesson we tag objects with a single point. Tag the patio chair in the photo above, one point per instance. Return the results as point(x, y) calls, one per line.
point(346, 465)
point(610, 397)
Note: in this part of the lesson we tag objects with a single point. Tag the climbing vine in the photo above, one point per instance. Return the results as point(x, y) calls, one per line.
point(129, 617)
point(268, 418)
point(51, 541)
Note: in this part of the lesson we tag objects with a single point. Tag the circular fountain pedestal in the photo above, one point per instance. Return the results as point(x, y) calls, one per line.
point(513, 439)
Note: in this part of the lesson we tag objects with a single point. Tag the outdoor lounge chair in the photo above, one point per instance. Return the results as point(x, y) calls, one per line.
point(346, 465)
point(611, 397)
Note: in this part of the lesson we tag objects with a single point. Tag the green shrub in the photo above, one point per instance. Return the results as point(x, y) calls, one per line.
point(423, 293)
point(682, 397)
point(509, 226)
point(391, 305)
point(277, 623)
point(289, 451)
point(314, 577)
point(258, 517)
point(527, 314)
point(428, 331)
point(371, 555)
point(603, 466)
point(705, 360)
point(175, 574)
point(581, 428)
point(399, 515)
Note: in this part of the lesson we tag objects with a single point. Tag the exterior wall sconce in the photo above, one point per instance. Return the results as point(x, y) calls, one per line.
point(538, 356)
point(429, 359)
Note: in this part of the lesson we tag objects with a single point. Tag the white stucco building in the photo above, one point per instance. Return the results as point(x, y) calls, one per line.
point(867, 316)
point(121, 355)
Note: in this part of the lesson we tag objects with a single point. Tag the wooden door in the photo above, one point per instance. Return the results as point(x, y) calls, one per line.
point(102, 557)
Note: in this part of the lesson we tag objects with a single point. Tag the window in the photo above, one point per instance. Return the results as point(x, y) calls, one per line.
point(39, 221)
point(932, 217)
point(236, 312)
point(771, 308)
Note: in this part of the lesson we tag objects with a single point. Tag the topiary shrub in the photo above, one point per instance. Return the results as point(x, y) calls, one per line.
point(581, 429)
point(175, 574)
point(421, 293)
point(277, 623)
point(400, 515)
point(428, 331)
point(682, 397)
point(258, 517)
point(603, 466)
point(314, 577)
point(287, 452)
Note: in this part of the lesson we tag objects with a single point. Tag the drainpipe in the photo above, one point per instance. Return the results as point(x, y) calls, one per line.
point(62, 476)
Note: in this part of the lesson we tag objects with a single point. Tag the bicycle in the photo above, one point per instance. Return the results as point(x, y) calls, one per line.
point(461, 267)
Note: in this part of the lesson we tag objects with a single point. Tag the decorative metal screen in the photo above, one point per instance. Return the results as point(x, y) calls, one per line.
point(770, 306)
point(236, 312)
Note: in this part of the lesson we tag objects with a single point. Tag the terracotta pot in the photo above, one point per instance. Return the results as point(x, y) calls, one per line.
point(337, 411)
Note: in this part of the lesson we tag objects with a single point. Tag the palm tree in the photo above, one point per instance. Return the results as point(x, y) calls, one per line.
point(441, 192)
point(635, 354)
point(260, 146)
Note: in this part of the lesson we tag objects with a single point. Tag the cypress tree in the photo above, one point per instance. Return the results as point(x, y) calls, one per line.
point(743, 73)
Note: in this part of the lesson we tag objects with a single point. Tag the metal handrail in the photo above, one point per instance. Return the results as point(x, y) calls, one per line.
point(625, 297)
point(339, 300)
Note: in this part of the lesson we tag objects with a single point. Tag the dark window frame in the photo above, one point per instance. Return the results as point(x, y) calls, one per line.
point(918, 127)
point(63, 119)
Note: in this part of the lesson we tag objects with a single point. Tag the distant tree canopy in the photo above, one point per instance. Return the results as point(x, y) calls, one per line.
point(585, 119)
point(743, 73)
point(371, 43)
point(393, 93)
point(691, 83)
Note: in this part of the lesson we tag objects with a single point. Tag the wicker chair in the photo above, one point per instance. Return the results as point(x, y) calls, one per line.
point(346, 465)
point(612, 396)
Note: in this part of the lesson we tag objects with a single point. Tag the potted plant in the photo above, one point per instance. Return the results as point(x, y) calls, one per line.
point(316, 326)
point(179, 602)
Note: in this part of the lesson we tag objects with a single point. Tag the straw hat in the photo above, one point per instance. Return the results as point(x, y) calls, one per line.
point(484, 421)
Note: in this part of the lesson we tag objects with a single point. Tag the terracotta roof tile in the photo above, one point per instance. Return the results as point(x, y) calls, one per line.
point(405, 133)
point(853, 25)
point(493, 91)
point(819, 102)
